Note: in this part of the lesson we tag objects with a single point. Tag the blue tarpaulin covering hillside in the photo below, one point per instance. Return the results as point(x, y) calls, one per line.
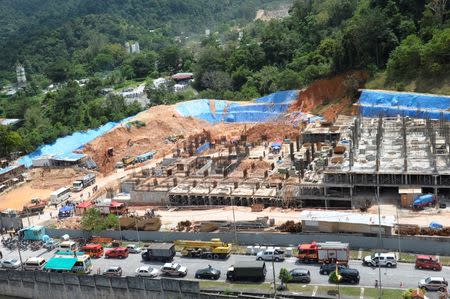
point(263, 109)
point(66, 145)
point(418, 105)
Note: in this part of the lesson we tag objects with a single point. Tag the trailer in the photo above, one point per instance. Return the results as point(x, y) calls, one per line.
point(84, 182)
point(214, 249)
point(326, 252)
point(423, 201)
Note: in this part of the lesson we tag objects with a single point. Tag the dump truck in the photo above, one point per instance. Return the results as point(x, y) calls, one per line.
point(128, 160)
point(214, 249)
point(36, 205)
point(84, 182)
point(326, 252)
point(163, 252)
point(249, 271)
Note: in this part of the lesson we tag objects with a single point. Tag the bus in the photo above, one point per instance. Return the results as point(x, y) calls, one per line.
point(60, 195)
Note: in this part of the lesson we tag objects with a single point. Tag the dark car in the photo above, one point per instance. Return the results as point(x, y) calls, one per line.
point(300, 275)
point(326, 269)
point(207, 273)
point(349, 276)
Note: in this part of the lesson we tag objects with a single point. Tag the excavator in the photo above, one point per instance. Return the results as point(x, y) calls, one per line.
point(214, 249)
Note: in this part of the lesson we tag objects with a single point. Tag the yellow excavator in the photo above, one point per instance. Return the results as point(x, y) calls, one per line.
point(214, 249)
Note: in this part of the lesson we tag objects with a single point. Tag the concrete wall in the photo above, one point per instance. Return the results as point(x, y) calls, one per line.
point(155, 197)
point(424, 245)
point(72, 286)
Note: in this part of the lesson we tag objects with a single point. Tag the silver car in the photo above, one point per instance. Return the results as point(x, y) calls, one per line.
point(11, 263)
point(270, 254)
point(433, 284)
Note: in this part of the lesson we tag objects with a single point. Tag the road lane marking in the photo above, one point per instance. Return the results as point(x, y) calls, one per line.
point(361, 294)
point(360, 254)
point(314, 291)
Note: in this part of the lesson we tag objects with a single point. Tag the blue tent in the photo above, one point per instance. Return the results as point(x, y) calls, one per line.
point(435, 225)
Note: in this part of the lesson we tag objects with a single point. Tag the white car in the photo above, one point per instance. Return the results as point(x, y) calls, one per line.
point(146, 271)
point(11, 263)
point(132, 248)
point(270, 254)
point(173, 269)
point(382, 259)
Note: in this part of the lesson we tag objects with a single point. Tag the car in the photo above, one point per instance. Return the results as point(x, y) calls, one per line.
point(115, 271)
point(327, 268)
point(146, 271)
point(300, 275)
point(118, 252)
point(433, 284)
point(428, 262)
point(349, 275)
point(11, 263)
point(173, 269)
point(132, 248)
point(380, 259)
point(270, 254)
point(207, 273)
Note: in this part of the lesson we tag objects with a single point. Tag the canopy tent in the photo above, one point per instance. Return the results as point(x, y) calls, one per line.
point(60, 264)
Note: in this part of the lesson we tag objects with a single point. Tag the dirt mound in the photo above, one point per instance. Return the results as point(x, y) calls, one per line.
point(271, 131)
point(160, 122)
point(332, 96)
point(45, 178)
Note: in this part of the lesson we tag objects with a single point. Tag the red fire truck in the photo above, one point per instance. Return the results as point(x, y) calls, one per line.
point(326, 252)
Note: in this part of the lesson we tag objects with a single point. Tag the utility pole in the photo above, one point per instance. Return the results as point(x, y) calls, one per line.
point(234, 222)
point(379, 234)
point(137, 231)
point(274, 279)
point(398, 233)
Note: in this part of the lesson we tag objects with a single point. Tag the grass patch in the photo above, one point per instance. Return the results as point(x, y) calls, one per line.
point(445, 260)
point(386, 293)
point(236, 286)
point(406, 257)
point(354, 254)
point(354, 292)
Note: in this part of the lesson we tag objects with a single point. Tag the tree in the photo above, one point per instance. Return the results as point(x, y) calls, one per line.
point(284, 275)
point(216, 81)
point(10, 141)
point(405, 61)
point(95, 222)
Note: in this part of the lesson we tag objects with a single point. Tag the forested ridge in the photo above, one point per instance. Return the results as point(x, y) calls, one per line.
point(406, 43)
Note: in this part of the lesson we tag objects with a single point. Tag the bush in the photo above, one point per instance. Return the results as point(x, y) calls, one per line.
point(284, 275)
point(334, 277)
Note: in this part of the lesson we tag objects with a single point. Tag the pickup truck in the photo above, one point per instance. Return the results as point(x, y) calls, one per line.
point(270, 254)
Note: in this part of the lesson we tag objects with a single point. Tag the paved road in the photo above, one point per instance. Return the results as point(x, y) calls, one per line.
point(403, 273)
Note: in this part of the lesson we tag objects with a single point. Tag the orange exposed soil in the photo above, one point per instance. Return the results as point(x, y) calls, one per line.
point(329, 94)
point(17, 198)
point(272, 131)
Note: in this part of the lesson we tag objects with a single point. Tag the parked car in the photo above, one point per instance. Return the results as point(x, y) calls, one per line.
point(34, 264)
point(433, 284)
point(208, 273)
point(327, 268)
point(428, 262)
point(173, 269)
point(119, 252)
point(113, 271)
point(349, 275)
point(269, 254)
point(146, 271)
point(133, 248)
point(300, 275)
point(382, 259)
point(11, 263)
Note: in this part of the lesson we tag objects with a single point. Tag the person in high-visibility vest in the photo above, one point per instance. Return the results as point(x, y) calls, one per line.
point(338, 276)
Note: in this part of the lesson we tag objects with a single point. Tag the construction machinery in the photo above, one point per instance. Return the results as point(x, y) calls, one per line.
point(214, 249)
point(326, 252)
point(128, 160)
point(36, 205)
point(84, 182)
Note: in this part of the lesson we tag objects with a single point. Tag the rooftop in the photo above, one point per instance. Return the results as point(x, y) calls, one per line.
point(346, 217)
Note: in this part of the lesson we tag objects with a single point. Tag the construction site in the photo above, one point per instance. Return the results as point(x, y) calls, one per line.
point(273, 157)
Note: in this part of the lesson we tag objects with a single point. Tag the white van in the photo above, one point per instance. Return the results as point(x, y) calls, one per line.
point(34, 264)
point(67, 246)
point(60, 195)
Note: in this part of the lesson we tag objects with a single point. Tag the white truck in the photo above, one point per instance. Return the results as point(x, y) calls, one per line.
point(84, 182)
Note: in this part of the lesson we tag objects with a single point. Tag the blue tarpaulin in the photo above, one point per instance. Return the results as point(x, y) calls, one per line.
point(418, 105)
point(202, 148)
point(262, 109)
point(66, 145)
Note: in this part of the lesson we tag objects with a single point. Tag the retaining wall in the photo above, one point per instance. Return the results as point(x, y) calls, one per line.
point(71, 286)
point(416, 244)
